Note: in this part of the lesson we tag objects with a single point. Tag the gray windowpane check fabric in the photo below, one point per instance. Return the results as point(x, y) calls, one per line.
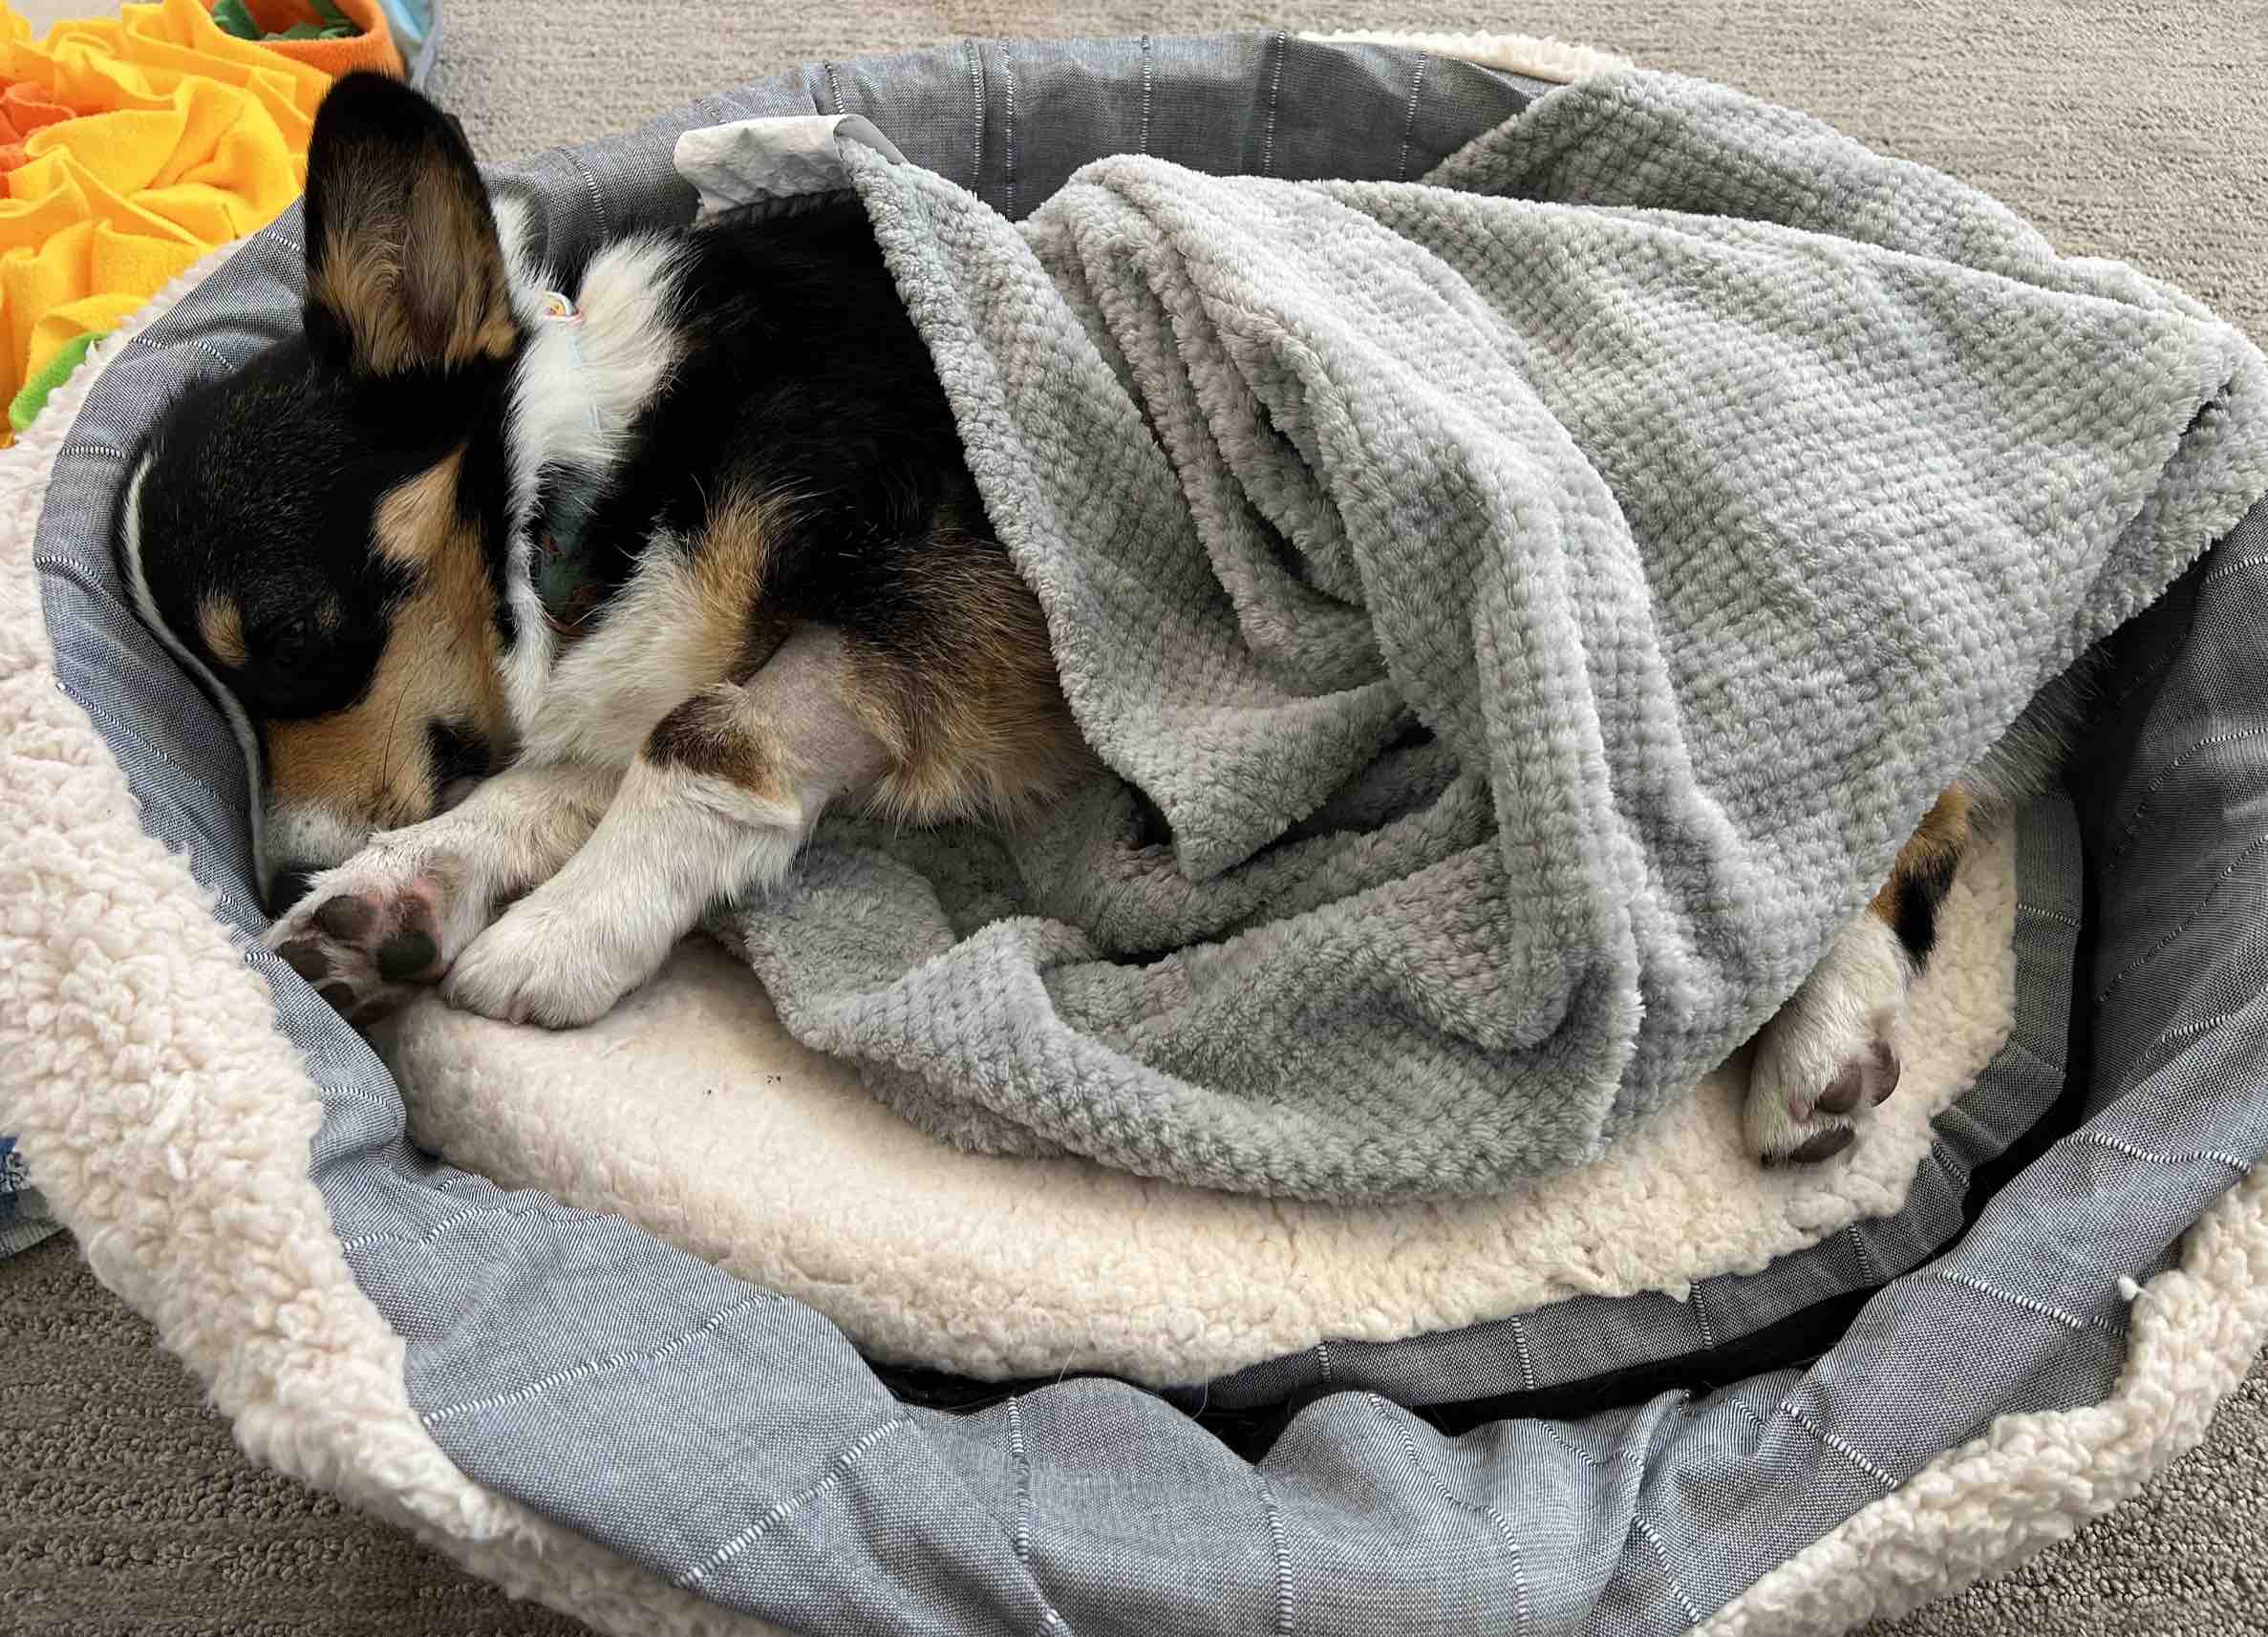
point(734, 1442)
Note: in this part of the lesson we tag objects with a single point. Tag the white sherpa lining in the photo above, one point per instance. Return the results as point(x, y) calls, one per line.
point(2033, 1480)
point(168, 1122)
point(997, 1267)
point(1535, 55)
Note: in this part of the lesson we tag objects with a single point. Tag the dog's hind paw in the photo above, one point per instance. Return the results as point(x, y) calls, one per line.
point(1826, 1058)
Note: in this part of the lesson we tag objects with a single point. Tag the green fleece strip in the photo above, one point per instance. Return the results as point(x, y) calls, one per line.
point(28, 403)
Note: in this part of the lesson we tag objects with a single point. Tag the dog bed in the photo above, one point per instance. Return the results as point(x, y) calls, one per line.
point(669, 1110)
point(590, 1417)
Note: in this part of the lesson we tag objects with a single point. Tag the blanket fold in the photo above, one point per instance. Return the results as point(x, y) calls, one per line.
point(1524, 613)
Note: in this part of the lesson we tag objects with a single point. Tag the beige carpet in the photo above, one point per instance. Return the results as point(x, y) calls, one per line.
point(2137, 131)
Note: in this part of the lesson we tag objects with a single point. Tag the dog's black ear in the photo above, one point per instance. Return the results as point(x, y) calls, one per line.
point(404, 269)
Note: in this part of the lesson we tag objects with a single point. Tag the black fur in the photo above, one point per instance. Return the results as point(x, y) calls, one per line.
point(459, 750)
point(263, 489)
point(263, 486)
point(803, 377)
point(1921, 895)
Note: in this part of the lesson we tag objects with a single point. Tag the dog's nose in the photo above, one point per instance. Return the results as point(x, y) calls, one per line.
point(287, 888)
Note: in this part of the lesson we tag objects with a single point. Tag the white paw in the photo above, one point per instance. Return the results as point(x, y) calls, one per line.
point(547, 961)
point(1825, 1058)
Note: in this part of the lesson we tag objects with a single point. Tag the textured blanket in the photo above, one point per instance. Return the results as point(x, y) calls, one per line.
point(1524, 612)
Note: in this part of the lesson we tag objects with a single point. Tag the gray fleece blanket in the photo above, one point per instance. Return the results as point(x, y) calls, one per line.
point(1523, 614)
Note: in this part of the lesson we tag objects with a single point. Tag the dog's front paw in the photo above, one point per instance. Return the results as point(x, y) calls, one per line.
point(542, 963)
point(367, 934)
point(1826, 1058)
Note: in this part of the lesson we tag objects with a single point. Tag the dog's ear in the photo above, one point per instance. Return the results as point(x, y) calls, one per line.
point(404, 271)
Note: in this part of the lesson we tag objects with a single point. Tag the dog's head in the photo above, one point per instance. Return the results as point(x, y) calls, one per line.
point(322, 533)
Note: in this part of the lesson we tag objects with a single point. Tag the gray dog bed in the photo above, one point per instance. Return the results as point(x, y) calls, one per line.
point(594, 1418)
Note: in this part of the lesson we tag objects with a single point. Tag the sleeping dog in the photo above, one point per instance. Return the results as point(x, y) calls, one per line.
point(788, 599)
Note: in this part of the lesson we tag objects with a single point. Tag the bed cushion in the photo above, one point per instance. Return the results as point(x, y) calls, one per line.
point(592, 1416)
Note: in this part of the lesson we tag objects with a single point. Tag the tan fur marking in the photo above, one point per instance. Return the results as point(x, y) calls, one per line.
point(372, 761)
point(974, 722)
point(728, 578)
point(1934, 848)
point(971, 717)
point(704, 607)
point(731, 637)
point(414, 271)
point(222, 624)
point(414, 517)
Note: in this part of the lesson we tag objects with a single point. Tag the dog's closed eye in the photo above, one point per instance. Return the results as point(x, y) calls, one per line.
point(296, 656)
point(286, 641)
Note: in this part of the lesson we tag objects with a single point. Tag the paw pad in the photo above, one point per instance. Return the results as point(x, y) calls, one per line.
point(365, 952)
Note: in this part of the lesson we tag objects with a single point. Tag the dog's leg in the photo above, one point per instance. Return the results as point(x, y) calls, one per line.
point(716, 805)
point(1826, 1057)
point(391, 919)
